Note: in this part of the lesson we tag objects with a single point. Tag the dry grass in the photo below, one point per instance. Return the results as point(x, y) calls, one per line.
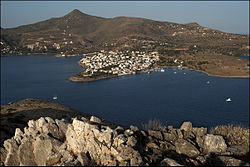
point(153, 125)
point(234, 135)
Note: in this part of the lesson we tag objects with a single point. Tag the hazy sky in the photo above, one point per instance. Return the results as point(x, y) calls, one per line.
point(230, 16)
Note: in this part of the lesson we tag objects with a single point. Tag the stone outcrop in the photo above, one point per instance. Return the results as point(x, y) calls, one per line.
point(91, 141)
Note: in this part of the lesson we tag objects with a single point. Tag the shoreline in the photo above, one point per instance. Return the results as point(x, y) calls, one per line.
point(84, 79)
point(216, 75)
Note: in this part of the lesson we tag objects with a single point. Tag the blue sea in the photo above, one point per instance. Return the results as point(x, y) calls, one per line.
point(173, 96)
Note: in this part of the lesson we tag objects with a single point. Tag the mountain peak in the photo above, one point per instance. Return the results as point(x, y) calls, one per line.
point(75, 12)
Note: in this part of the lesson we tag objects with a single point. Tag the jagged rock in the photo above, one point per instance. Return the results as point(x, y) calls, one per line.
point(32, 124)
point(237, 150)
point(200, 131)
point(83, 159)
point(170, 146)
point(201, 159)
point(143, 133)
point(186, 126)
point(40, 122)
point(188, 135)
point(83, 142)
point(186, 148)
point(179, 134)
point(214, 143)
point(62, 128)
point(106, 136)
point(3, 155)
point(53, 159)
point(95, 119)
point(131, 141)
point(218, 160)
point(53, 129)
point(11, 158)
point(25, 154)
point(18, 135)
point(44, 148)
point(66, 157)
point(84, 119)
point(120, 139)
point(128, 132)
point(230, 161)
point(169, 162)
point(134, 128)
point(136, 159)
point(156, 134)
point(200, 142)
point(152, 145)
point(49, 120)
point(170, 128)
point(169, 137)
point(114, 151)
point(156, 156)
point(163, 145)
point(119, 130)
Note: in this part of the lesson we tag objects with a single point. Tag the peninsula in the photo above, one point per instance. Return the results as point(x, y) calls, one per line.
point(118, 46)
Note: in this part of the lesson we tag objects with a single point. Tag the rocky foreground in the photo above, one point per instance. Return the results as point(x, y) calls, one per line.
point(89, 140)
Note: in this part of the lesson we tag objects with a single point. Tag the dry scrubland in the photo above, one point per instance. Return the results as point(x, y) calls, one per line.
point(233, 134)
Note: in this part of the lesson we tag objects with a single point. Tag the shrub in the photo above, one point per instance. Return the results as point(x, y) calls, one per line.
point(153, 125)
point(234, 135)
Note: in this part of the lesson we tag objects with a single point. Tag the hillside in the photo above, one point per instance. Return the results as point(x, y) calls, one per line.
point(83, 29)
point(76, 33)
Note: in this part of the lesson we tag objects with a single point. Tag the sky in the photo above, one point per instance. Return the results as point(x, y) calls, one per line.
point(227, 16)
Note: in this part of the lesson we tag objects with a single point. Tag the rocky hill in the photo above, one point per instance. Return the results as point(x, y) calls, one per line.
point(80, 32)
point(17, 114)
point(75, 34)
point(90, 140)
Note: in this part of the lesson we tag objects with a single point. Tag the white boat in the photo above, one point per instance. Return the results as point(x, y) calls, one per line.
point(162, 70)
point(55, 97)
point(228, 99)
point(208, 82)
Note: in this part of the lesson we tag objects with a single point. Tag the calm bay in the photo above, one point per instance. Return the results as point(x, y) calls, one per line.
point(173, 96)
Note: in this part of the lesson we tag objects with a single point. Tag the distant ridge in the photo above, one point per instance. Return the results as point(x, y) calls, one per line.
point(98, 29)
point(86, 33)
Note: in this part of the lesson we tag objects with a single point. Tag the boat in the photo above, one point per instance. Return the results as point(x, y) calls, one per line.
point(162, 70)
point(228, 99)
point(55, 97)
point(208, 82)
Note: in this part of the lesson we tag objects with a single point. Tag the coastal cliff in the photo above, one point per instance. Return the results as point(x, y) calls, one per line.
point(89, 140)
